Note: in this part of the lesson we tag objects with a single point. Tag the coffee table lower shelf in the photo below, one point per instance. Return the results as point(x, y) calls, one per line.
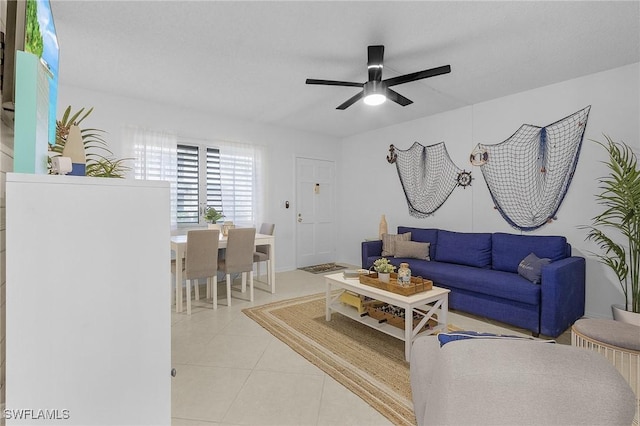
point(384, 327)
point(429, 305)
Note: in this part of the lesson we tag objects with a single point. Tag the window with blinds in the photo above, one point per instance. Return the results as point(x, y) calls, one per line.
point(207, 178)
point(188, 209)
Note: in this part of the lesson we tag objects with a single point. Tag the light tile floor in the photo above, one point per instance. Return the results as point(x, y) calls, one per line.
point(230, 371)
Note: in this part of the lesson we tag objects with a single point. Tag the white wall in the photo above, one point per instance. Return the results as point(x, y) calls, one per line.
point(112, 113)
point(364, 173)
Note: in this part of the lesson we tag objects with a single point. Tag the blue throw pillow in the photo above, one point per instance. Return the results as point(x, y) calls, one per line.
point(445, 338)
point(531, 267)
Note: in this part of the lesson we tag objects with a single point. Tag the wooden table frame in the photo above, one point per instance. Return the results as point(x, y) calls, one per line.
point(430, 302)
point(179, 245)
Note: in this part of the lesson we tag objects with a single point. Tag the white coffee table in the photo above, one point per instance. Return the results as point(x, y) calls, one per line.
point(429, 303)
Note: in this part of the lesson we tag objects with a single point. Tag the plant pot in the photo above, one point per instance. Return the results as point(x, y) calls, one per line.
point(215, 226)
point(384, 277)
point(620, 314)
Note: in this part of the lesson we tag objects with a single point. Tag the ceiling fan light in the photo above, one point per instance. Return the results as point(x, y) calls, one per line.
point(375, 99)
point(374, 92)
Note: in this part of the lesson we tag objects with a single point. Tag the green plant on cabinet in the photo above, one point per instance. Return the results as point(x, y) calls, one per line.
point(100, 160)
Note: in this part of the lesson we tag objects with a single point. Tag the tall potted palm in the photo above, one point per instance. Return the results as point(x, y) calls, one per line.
point(616, 230)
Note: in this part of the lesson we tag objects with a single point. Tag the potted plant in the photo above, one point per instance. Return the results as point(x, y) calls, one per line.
point(212, 215)
point(100, 163)
point(383, 268)
point(617, 229)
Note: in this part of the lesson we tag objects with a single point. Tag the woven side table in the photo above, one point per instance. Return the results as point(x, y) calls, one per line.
point(616, 341)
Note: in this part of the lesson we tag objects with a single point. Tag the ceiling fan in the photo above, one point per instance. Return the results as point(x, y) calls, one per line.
point(376, 90)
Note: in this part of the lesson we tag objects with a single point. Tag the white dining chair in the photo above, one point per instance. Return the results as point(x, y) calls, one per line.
point(238, 259)
point(262, 252)
point(201, 261)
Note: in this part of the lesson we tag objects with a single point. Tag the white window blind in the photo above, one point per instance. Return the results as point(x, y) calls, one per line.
point(213, 181)
point(188, 210)
point(237, 176)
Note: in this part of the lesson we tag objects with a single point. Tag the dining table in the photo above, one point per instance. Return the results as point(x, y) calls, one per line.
point(179, 245)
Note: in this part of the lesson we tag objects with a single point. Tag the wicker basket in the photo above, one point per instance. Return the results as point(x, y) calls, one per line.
point(375, 311)
point(418, 284)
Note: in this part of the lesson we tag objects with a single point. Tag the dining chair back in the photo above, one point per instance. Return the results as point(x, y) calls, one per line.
point(201, 260)
point(262, 253)
point(238, 259)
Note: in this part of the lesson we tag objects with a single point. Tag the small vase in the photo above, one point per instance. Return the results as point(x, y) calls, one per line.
point(382, 228)
point(384, 277)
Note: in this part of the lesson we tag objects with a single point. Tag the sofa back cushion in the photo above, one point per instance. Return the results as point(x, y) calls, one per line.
point(471, 249)
point(423, 235)
point(509, 249)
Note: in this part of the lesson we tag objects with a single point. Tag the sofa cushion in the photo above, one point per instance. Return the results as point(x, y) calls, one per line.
point(389, 242)
point(423, 235)
point(412, 250)
point(531, 267)
point(505, 285)
point(509, 249)
point(472, 249)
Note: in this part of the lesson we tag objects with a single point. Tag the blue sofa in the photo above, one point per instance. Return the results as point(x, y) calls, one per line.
point(481, 270)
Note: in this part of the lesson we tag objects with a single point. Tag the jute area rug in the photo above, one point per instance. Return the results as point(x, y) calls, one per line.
point(369, 363)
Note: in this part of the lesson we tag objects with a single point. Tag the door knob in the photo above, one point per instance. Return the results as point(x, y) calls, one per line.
point(299, 217)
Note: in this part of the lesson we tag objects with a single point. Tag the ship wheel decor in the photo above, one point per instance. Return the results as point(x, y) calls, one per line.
point(528, 174)
point(428, 176)
point(464, 179)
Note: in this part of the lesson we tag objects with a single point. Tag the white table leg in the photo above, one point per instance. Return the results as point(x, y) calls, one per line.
point(408, 332)
point(179, 257)
point(328, 301)
point(272, 266)
point(444, 310)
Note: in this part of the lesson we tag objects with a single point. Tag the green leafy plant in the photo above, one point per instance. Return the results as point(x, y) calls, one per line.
point(100, 160)
point(383, 266)
point(212, 215)
point(620, 197)
point(108, 167)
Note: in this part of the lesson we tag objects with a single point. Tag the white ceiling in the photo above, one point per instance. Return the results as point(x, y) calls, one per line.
point(249, 60)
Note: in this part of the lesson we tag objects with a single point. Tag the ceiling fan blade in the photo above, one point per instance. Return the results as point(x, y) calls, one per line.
point(333, 83)
point(374, 65)
point(398, 98)
point(351, 101)
point(417, 75)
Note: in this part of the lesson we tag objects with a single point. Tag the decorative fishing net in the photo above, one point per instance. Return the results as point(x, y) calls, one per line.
point(428, 176)
point(528, 175)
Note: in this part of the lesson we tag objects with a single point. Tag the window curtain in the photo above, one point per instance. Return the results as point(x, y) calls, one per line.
point(243, 166)
point(155, 158)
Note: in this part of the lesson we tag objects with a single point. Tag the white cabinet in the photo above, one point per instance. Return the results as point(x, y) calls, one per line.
point(88, 320)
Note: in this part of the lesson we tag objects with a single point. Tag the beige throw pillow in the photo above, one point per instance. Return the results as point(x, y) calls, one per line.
point(412, 250)
point(389, 242)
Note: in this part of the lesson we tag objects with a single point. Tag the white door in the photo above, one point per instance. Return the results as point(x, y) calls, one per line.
point(315, 229)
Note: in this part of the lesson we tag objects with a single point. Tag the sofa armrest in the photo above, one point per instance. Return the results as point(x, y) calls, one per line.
point(370, 249)
point(563, 295)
